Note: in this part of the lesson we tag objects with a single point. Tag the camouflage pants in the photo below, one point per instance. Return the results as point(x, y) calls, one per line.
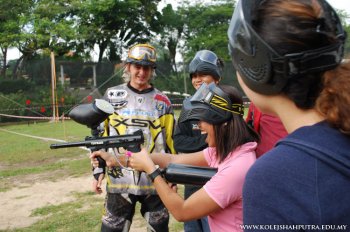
point(120, 209)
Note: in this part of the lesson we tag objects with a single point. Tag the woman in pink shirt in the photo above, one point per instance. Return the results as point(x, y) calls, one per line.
point(231, 150)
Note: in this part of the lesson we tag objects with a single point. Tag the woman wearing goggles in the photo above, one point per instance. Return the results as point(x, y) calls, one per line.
point(288, 57)
point(205, 67)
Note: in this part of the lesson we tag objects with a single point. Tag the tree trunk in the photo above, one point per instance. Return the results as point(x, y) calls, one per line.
point(4, 62)
point(16, 68)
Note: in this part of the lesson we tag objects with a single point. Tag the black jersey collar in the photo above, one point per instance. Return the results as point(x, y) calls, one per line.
point(141, 91)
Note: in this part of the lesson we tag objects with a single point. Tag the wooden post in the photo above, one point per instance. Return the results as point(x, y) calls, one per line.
point(94, 75)
point(62, 75)
point(53, 86)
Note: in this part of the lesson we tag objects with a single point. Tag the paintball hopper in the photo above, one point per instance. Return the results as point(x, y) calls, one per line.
point(91, 114)
point(188, 174)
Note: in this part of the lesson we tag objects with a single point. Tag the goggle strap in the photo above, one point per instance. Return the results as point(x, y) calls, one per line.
point(238, 109)
point(317, 60)
point(222, 104)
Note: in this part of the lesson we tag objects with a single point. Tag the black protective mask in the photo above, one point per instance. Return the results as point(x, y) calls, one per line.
point(264, 70)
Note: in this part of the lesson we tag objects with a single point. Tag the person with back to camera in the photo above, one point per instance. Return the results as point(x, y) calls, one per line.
point(231, 149)
point(205, 67)
point(288, 55)
point(138, 105)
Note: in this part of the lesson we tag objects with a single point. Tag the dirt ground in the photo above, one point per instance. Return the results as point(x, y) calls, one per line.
point(19, 202)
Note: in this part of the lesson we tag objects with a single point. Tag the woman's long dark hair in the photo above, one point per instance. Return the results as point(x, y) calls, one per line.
point(234, 133)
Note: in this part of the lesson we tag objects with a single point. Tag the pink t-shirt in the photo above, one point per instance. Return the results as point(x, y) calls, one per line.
point(225, 187)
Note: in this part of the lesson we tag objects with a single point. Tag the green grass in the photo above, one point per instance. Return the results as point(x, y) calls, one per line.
point(21, 149)
point(75, 167)
point(22, 158)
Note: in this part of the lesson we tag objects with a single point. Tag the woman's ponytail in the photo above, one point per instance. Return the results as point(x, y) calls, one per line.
point(334, 100)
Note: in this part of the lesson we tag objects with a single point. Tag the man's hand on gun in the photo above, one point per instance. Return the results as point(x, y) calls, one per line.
point(97, 182)
point(139, 161)
point(109, 158)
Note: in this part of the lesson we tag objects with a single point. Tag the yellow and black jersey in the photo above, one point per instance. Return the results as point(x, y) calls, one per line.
point(152, 112)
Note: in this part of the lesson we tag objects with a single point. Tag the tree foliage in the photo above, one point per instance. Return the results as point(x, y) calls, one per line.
point(115, 24)
point(10, 28)
point(112, 25)
point(170, 28)
point(206, 27)
point(42, 25)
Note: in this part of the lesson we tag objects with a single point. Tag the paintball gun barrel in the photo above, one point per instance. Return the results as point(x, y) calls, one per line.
point(131, 142)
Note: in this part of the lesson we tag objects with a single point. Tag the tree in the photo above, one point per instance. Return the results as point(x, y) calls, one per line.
point(44, 26)
point(10, 28)
point(206, 27)
point(115, 24)
point(171, 26)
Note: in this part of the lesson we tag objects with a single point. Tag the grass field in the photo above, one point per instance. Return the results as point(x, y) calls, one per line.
point(32, 155)
point(30, 160)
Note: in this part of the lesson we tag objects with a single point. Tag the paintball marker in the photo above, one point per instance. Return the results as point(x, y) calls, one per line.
point(92, 115)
